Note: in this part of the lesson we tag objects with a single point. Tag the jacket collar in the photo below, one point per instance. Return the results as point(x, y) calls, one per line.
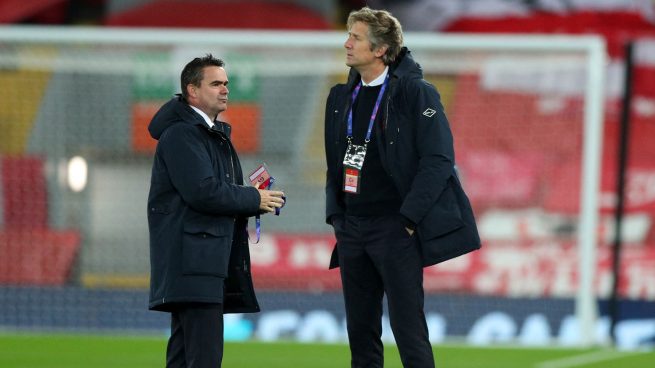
point(178, 111)
point(221, 127)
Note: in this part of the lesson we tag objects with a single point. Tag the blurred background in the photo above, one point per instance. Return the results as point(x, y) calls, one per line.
point(75, 161)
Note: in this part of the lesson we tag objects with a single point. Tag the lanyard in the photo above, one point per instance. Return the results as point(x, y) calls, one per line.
point(258, 220)
point(373, 115)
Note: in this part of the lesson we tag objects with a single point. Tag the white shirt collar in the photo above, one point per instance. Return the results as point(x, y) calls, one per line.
point(204, 116)
point(379, 80)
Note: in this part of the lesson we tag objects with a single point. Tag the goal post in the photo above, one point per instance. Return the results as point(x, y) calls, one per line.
point(526, 114)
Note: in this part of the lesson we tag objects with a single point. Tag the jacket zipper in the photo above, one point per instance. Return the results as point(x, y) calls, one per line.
point(386, 112)
point(230, 153)
point(230, 150)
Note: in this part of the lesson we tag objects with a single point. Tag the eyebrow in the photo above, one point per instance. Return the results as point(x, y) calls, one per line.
point(219, 82)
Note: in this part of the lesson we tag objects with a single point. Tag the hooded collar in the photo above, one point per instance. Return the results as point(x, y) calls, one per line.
point(178, 111)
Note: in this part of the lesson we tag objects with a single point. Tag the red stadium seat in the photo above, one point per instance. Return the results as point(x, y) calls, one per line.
point(211, 14)
point(562, 192)
point(496, 178)
point(37, 256)
point(45, 11)
point(24, 192)
point(617, 27)
point(30, 252)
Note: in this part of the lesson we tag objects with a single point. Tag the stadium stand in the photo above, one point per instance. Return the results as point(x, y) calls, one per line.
point(39, 11)
point(231, 14)
point(558, 191)
point(32, 252)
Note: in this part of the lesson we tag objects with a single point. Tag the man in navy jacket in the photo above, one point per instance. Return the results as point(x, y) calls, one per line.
point(198, 212)
point(392, 191)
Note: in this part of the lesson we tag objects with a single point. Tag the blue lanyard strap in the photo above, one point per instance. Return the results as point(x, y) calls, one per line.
point(258, 220)
point(373, 115)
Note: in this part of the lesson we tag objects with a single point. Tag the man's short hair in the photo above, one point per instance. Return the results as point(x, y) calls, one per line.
point(383, 29)
point(193, 72)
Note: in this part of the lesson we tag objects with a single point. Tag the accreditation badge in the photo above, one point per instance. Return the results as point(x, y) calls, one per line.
point(260, 178)
point(353, 162)
point(351, 180)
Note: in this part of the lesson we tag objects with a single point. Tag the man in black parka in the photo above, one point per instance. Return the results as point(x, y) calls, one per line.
point(197, 217)
point(392, 191)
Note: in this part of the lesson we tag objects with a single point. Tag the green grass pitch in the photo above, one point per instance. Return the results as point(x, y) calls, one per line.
point(93, 351)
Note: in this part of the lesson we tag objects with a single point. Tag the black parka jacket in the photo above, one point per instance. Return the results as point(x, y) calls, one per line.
point(416, 152)
point(197, 214)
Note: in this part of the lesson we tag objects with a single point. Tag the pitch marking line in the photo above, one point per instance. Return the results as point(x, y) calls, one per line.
point(584, 359)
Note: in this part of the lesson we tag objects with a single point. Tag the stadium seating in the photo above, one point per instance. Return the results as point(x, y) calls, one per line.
point(38, 256)
point(43, 11)
point(30, 251)
point(231, 14)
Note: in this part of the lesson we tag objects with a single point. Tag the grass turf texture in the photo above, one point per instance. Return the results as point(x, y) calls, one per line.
point(76, 351)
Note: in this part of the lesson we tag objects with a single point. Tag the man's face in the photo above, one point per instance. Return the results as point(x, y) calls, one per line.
point(358, 48)
point(211, 95)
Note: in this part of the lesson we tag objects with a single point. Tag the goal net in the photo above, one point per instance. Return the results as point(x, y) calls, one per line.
point(526, 114)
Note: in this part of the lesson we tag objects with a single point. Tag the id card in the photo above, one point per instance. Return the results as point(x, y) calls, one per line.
point(353, 162)
point(260, 178)
point(351, 180)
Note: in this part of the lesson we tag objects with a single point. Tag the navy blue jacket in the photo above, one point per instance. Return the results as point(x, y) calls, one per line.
point(197, 214)
point(416, 149)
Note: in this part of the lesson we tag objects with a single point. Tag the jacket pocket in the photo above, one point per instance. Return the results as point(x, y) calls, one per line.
point(444, 217)
point(205, 250)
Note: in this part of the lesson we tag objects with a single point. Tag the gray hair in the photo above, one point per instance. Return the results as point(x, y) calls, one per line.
point(383, 29)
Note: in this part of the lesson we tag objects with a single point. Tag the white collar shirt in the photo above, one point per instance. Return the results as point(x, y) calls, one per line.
point(379, 80)
point(204, 116)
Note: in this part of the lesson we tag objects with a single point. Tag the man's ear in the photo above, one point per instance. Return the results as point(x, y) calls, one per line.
point(380, 51)
point(191, 90)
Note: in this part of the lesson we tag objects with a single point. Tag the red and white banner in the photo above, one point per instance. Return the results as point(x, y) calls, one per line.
point(545, 268)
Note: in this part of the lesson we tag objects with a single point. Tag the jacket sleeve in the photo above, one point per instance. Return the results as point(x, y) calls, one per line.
point(190, 170)
point(333, 205)
point(434, 147)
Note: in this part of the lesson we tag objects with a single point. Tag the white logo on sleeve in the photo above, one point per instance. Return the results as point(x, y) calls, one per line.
point(429, 112)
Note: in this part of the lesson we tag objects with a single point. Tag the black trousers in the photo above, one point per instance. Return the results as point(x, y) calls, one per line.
point(196, 336)
point(377, 256)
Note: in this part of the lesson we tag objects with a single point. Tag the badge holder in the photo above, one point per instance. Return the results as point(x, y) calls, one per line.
point(353, 162)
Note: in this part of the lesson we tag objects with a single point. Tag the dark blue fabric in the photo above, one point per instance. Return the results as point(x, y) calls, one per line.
point(378, 257)
point(417, 152)
point(196, 339)
point(197, 207)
